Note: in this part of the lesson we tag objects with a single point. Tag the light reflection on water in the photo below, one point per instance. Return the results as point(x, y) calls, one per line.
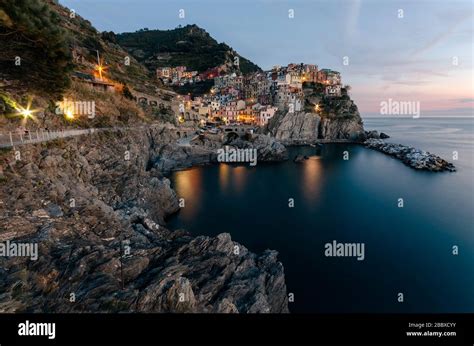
point(189, 185)
point(312, 169)
point(239, 177)
point(224, 176)
point(349, 200)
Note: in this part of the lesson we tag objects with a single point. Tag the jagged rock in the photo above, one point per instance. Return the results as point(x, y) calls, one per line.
point(372, 134)
point(151, 225)
point(300, 158)
point(173, 157)
point(98, 218)
point(134, 267)
point(339, 120)
point(349, 128)
point(297, 127)
point(375, 135)
point(268, 149)
point(41, 213)
point(54, 210)
point(226, 306)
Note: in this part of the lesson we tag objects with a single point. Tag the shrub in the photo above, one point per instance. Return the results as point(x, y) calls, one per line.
point(31, 31)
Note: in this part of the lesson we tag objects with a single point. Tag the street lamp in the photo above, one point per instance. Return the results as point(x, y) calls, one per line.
point(24, 112)
point(69, 114)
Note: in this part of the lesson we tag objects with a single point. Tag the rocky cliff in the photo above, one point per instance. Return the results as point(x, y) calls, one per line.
point(337, 118)
point(96, 207)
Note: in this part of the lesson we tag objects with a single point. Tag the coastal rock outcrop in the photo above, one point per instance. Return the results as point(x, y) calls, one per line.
point(295, 127)
point(337, 119)
point(300, 158)
point(349, 128)
point(204, 150)
point(373, 134)
point(415, 158)
point(96, 208)
point(268, 149)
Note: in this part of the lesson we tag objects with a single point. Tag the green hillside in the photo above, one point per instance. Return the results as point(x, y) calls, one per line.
point(188, 46)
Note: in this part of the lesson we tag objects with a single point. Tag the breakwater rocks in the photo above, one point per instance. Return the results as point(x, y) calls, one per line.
point(96, 206)
point(415, 158)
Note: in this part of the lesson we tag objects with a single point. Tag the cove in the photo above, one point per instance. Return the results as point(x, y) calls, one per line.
point(407, 250)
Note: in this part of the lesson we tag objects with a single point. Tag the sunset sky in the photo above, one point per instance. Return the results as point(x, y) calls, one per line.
point(406, 59)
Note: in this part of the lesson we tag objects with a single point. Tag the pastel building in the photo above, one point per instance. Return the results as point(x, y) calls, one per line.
point(266, 114)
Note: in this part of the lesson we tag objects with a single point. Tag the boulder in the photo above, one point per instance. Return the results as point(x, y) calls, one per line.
point(300, 158)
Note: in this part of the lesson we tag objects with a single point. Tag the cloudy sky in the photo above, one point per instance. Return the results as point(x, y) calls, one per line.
point(425, 56)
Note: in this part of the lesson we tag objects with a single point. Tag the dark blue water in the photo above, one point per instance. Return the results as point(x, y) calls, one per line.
point(407, 250)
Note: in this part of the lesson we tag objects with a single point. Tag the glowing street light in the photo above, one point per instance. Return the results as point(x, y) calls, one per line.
point(69, 114)
point(26, 113)
point(100, 67)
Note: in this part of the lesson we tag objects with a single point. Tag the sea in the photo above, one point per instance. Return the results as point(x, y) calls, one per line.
point(416, 227)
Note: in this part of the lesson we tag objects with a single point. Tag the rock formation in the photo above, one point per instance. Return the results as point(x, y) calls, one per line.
point(338, 119)
point(204, 150)
point(96, 207)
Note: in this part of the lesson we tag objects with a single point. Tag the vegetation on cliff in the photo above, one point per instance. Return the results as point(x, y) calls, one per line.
point(189, 46)
point(57, 51)
point(34, 47)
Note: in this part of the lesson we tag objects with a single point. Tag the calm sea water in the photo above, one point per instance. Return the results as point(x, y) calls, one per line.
point(407, 250)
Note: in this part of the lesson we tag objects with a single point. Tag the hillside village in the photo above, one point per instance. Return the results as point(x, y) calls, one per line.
point(234, 99)
point(110, 76)
point(255, 98)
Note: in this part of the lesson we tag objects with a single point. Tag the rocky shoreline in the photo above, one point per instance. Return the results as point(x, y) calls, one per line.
point(96, 207)
point(204, 151)
point(85, 201)
point(412, 157)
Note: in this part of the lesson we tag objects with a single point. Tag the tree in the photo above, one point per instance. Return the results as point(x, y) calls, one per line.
point(34, 49)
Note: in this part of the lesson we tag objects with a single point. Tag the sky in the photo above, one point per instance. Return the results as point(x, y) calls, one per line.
point(417, 50)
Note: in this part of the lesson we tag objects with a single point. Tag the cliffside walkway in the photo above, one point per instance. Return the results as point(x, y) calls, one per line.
point(12, 139)
point(186, 136)
point(17, 138)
